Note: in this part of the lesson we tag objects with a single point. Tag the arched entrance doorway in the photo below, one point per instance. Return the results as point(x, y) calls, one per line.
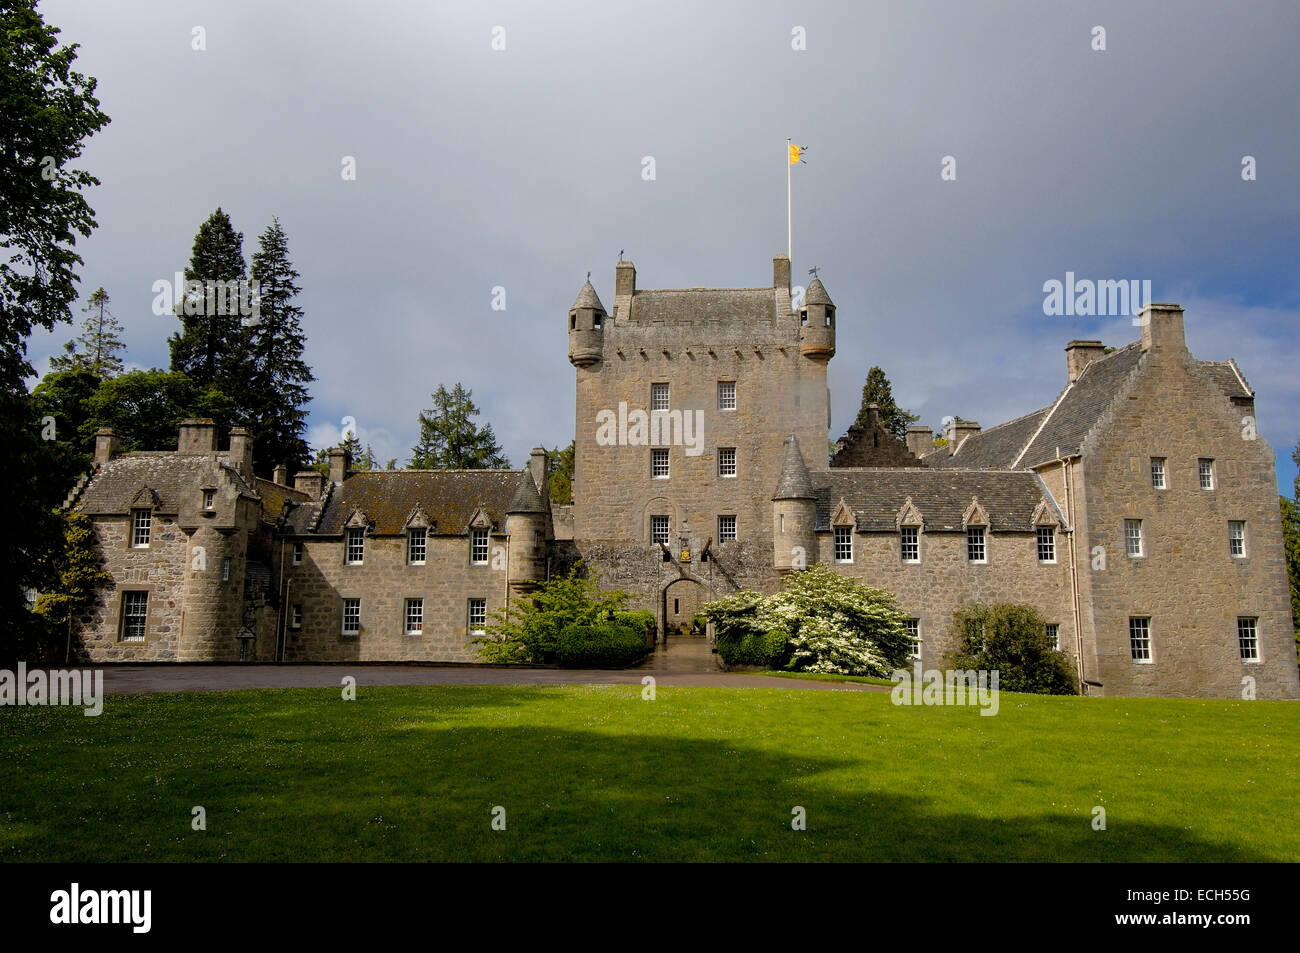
point(680, 601)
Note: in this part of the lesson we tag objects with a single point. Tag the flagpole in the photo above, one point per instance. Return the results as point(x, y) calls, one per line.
point(789, 220)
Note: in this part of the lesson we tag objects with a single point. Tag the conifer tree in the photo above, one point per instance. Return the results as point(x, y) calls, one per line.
point(449, 438)
point(96, 348)
point(877, 390)
point(211, 347)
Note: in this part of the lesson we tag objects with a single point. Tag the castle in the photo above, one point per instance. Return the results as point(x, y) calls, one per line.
point(1138, 512)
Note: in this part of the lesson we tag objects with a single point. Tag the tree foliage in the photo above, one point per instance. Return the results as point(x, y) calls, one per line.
point(96, 348)
point(212, 348)
point(528, 629)
point(877, 390)
point(1011, 639)
point(449, 438)
point(561, 476)
point(146, 408)
point(833, 624)
point(81, 575)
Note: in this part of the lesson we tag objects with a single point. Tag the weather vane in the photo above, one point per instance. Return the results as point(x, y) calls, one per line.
point(813, 270)
point(620, 254)
point(588, 276)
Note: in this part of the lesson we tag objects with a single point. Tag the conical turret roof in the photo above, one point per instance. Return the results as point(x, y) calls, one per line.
point(794, 482)
point(587, 298)
point(816, 293)
point(526, 499)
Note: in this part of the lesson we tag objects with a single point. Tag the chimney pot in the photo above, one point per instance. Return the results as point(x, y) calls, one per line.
point(310, 482)
point(1078, 354)
point(280, 476)
point(961, 429)
point(107, 444)
point(241, 450)
point(920, 441)
point(340, 463)
point(197, 434)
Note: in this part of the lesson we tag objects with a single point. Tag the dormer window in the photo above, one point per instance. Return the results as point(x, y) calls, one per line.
point(209, 499)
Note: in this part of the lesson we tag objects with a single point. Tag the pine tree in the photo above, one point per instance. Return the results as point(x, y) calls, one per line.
point(877, 390)
point(211, 348)
point(449, 438)
point(273, 395)
point(99, 341)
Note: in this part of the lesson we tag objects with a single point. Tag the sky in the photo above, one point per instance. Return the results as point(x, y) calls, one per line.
point(503, 147)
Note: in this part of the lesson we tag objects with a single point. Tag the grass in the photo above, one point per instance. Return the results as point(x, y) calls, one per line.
point(597, 773)
point(828, 677)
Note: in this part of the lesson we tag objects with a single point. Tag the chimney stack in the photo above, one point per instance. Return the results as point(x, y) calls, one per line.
point(340, 463)
point(1162, 328)
point(1078, 354)
point(781, 273)
point(920, 441)
point(280, 476)
point(107, 444)
point(961, 429)
point(311, 482)
point(197, 434)
point(241, 450)
point(537, 461)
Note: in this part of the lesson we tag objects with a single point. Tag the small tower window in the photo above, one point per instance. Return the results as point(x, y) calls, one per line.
point(209, 499)
point(803, 318)
point(595, 320)
point(573, 320)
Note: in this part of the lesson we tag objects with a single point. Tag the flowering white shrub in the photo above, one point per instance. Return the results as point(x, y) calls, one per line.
point(833, 624)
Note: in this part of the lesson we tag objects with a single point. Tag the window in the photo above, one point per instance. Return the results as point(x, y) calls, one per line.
point(726, 395)
point(209, 499)
point(910, 544)
point(225, 569)
point(659, 529)
point(356, 547)
point(1206, 468)
point(658, 396)
point(1046, 544)
point(295, 616)
point(1158, 473)
point(478, 547)
point(1133, 537)
point(595, 320)
point(478, 616)
point(914, 635)
point(659, 463)
point(1237, 538)
point(416, 545)
point(844, 544)
point(351, 616)
point(726, 528)
point(141, 520)
point(297, 554)
point(1248, 639)
point(727, 461)
point(976, 551)
point(1054, 635)
point(1139, 639)
point(414, 616)
point(135, 611)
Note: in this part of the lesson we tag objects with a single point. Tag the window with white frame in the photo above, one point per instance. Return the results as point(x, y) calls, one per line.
point(295, 616)
point(726, 395)
point(726, 529)
point(659, 463)
point(209, 499)
point(356, 547)
point(225, 569)
point(659, 529)
point(297, 554)
point(478, 616)
point(1133, 537)
point(351, 616)
point(658, 396)
point(844, 544)
point(478, 547)
point(1054, 635)
point(1158, 473)
point(1046, 544)
point(1237, 538)
point(141, 523)
point(414, 616)
point(976, 545)
point(909, 544)
point(1248, 638)
point(135, 613)
point(914, 636)
point(727, 461)
point(1139, 638)
point(417, 539)
point(1206, 468)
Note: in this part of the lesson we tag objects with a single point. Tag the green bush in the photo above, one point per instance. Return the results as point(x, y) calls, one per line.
point(1011, 639)
point(768, 649)
point(608, 645)
point(639, 620)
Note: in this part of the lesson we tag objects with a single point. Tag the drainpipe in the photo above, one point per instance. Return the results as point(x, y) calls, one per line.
point(1074, 576)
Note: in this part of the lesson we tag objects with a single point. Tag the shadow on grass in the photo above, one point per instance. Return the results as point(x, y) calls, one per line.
point(416, 775)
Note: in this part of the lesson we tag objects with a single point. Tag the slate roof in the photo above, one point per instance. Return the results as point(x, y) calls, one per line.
point(587, 298)
point(274, 497)
point(449, 498)
point(168, 473)
point(876, 494)
point(750, 307)
point(527, 499)
point(816, 293)
point(992, 449)
point(1229, 378)
point(793, 483)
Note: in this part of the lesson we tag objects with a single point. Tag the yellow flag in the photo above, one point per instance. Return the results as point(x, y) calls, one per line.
point(796, 153)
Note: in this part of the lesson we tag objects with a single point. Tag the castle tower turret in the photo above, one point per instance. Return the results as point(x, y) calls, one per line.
point(794, 512)
point(586, 328)
point(817, 323)
point(527, 525)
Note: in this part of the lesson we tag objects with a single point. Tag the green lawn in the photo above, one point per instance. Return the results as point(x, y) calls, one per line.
point(596, 773)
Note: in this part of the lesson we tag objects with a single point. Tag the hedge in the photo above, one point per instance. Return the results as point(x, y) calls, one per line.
point(609, 645)
point(766, 649)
